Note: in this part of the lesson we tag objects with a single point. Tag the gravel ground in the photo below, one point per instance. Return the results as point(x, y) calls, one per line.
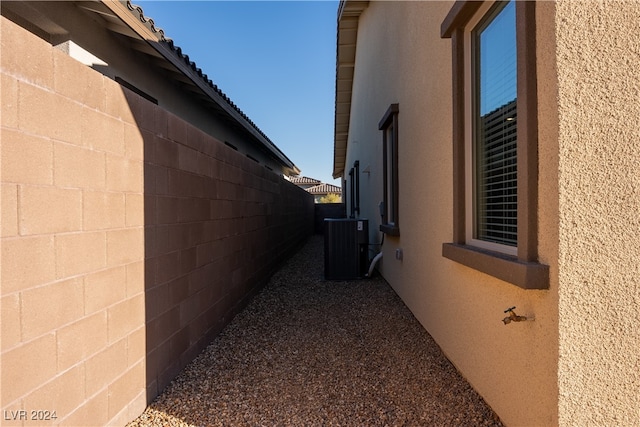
point(310, 352)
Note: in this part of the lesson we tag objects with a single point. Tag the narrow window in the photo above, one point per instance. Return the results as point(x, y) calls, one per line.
point(352, 199)
point(495, 146)
point(494, 212)
point(389, 127)
point(355, 189)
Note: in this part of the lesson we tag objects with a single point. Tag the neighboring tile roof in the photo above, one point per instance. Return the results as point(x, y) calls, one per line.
point(304, 180)
point(325, 188)
point(159, 33)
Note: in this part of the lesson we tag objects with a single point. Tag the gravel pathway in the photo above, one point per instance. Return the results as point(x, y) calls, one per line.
point(309, 352)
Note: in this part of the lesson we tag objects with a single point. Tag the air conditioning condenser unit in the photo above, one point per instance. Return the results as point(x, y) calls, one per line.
point(346, 243)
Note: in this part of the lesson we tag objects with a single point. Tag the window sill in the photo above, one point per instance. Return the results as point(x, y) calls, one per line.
point(526, 275)
point(391, 230)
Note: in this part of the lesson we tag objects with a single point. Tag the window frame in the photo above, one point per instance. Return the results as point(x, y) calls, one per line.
point(522, 268)
point(389, 126)
point(351, 192)
point(487, 12)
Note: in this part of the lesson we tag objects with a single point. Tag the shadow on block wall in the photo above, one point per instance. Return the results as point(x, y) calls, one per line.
point(217, 225)
point(327, 210)
point(129, 238)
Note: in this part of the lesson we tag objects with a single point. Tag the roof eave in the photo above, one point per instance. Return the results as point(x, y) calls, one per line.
point(349, 13)
point(133, 17)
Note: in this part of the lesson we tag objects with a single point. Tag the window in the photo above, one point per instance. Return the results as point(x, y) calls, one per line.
point(491, 214)
point(354, 179)
point(495, 140)
point(389, 127)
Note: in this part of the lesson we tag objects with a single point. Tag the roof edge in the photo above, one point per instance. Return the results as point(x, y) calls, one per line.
point(349, 12)
point(133, 16)
point(324, 188)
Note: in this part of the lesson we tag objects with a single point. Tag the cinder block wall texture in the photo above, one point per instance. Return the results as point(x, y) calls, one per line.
point(217, 224)
point(129, 239)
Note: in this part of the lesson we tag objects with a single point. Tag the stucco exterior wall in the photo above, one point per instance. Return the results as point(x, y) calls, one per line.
point(598, 51)
point(577, 363)
point(401, 58)
point(129, 239)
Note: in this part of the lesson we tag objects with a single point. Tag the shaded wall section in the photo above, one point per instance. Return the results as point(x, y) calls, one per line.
point(217, 225)
point(522, 390)
point(327, 210)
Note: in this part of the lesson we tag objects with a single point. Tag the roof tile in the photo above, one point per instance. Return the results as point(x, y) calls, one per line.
point(302, 180)
point(324, 188)
point(137, 10)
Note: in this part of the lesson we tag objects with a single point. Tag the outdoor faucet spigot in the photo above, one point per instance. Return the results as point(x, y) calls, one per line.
point(512, 317)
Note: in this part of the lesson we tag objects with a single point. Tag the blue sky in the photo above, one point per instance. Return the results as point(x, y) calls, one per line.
point(498, 61)
point(274, 59)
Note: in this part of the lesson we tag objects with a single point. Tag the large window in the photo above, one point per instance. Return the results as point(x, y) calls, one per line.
point(389, 127)
point(495, 140)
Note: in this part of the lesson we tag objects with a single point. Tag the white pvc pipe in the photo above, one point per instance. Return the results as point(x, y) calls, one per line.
point(374, 261)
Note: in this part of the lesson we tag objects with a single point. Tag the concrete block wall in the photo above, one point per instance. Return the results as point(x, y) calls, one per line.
point(129, 239)
point(217, 224)
point(73, 324)
point(327, 210)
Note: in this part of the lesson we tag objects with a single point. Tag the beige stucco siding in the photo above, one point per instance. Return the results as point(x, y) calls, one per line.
point(577, 363)
point(598, 55)
point(401, 58)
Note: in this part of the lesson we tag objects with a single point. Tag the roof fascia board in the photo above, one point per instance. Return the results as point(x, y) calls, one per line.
point(351, 8)
point(348, 20)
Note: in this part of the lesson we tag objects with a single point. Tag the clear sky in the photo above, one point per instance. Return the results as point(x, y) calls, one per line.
point(276, 60)
point(498, 61)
